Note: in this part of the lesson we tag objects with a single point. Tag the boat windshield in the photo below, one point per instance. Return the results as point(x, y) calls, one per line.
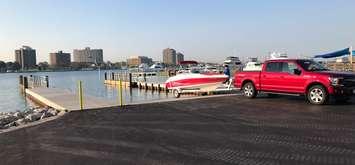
point(310, 65)
point(195, 70)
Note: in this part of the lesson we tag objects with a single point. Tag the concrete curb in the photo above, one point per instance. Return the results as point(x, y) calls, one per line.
point(43, 100)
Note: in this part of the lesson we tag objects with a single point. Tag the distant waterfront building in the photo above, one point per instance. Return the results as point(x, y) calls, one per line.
point(137, 60)
point(169, 56)
point(179, 57)
point(26, 57)
point(87, 55)
point(59, 59)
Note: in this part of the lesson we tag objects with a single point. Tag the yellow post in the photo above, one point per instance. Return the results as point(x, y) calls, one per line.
point(119, 92)
point(80, 86)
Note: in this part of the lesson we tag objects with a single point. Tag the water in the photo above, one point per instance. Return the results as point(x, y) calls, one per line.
point(11, 98)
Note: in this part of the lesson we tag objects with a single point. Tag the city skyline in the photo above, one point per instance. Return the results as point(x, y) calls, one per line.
point(136, 28)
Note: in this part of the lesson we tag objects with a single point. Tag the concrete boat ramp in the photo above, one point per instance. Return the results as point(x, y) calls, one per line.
point(66, 100)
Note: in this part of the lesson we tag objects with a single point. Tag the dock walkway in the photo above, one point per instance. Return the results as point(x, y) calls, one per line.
point(66, 100)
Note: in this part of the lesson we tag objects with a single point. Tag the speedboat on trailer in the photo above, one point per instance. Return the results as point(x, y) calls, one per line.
point(202, 82)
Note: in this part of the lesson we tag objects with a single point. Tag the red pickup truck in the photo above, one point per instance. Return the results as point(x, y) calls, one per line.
point(297, 77)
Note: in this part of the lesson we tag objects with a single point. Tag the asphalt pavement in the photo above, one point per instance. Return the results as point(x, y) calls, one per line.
point(220, 130)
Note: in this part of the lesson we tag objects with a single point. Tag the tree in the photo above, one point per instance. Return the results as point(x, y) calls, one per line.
point(43, 66)
point(13, 66)
point(16, 66)
point(2, 66)
point(9, 66)
point(79, 65)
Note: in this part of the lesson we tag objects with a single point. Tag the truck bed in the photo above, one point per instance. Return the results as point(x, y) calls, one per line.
point(253, 76)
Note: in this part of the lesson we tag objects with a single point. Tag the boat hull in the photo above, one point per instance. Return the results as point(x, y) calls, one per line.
point(203, 82)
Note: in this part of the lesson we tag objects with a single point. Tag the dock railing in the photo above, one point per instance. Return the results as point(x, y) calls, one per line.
point(140, 80)
point(35, 81)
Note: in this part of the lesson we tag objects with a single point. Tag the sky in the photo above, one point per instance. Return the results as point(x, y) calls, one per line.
point(203, 30)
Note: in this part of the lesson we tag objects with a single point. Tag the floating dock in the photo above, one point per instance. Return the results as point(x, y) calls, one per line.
point(130, 80)
point(65, 100)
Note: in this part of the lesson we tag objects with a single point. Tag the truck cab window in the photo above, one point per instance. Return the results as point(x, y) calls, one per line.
point(274, 67)
point(310, 65)
point(289, 67)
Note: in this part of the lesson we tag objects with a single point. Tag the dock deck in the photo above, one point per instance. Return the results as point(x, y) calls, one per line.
point(66, 100)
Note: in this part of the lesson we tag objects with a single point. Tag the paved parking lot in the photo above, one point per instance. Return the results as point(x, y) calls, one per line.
point(222, 130)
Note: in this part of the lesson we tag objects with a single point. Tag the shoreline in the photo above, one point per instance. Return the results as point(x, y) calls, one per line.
point(49, 71)
point(21, 119)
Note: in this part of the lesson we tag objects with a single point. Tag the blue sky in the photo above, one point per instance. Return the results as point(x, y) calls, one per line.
point(201, 29)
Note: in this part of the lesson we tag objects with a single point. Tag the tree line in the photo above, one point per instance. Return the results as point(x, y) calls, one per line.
point(11, 66)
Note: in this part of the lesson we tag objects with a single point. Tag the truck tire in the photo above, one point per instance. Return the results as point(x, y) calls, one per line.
point(318, 95)
point(249, 90)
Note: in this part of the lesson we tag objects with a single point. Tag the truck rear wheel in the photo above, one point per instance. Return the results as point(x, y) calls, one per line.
point(317, 94)
point(249, 90)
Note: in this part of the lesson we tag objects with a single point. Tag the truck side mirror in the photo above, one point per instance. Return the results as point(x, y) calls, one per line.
point(297, 71)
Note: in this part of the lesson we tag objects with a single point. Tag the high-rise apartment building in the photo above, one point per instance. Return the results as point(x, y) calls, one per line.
point(179, 58)
point(59, 59)
point(87, 55)
point(26, 57)
point(169, 56)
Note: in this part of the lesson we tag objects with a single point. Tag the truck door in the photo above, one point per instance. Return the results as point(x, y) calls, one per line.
point(270, 77)
point(293, 81)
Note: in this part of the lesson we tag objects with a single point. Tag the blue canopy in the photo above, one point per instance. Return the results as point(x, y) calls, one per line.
point(335, 54)
point(353, 52)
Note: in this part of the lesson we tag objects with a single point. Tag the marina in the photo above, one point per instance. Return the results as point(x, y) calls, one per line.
point(105, 82)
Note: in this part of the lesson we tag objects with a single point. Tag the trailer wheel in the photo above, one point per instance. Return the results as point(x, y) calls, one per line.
point(249, 90)
point(176, 93)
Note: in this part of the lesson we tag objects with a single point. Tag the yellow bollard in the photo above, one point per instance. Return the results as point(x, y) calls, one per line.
point(80, 86)
point(119, 92)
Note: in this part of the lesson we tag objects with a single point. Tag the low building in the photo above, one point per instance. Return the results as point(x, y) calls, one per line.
point(59, 59)
point(137, 60)
point(26, 57)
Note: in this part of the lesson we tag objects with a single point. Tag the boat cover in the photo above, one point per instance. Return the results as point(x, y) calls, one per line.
point(335, 54)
